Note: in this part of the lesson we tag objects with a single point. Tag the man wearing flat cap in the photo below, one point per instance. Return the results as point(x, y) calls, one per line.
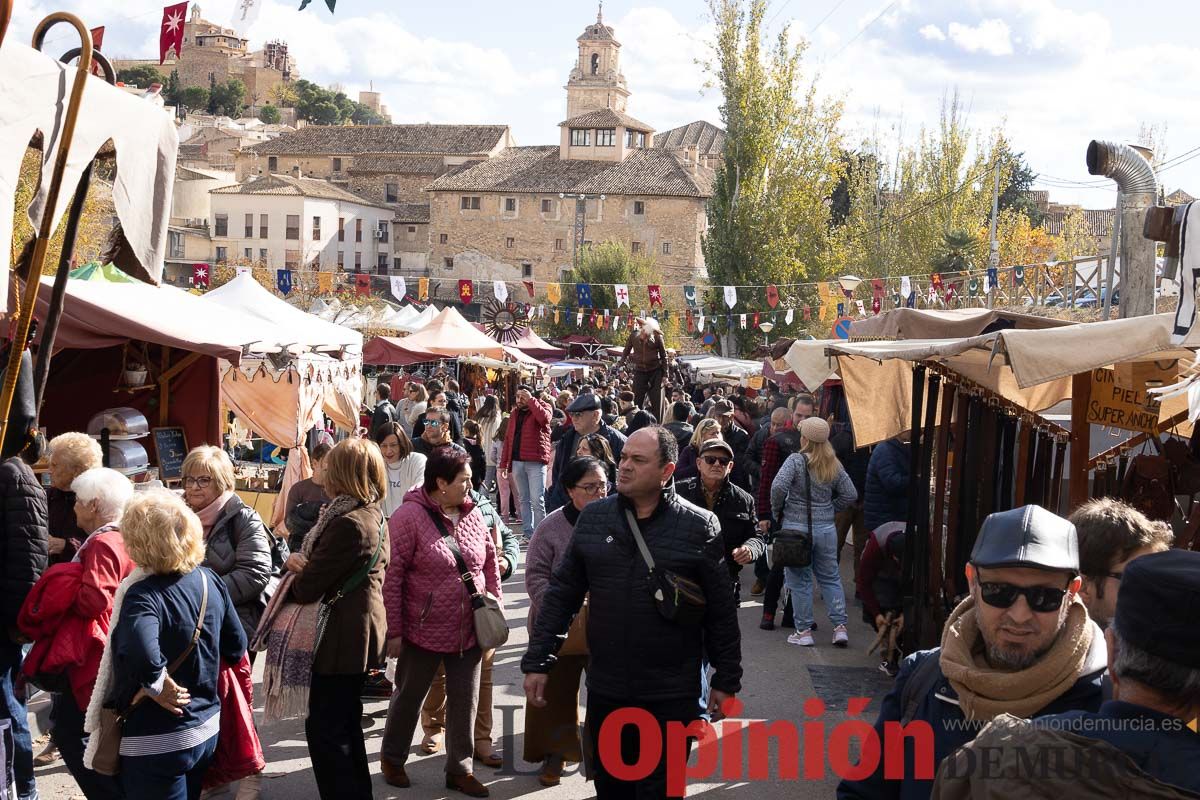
point(1021, 643)
point(585, 418)
point(1143, 743)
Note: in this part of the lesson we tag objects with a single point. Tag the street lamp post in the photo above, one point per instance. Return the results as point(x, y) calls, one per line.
point(766, 328)
point(580, 222)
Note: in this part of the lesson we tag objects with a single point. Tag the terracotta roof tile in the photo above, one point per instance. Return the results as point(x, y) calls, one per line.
point(417, 213)
point(708, 138)
point(605, 118)
point(539, 169)
point(285, 185)
point(413, 139)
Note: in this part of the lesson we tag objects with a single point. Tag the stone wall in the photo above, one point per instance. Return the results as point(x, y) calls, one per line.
point(479, 241)
point(411, 187)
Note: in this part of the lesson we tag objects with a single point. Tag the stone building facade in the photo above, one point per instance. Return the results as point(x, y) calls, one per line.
point(514, 216)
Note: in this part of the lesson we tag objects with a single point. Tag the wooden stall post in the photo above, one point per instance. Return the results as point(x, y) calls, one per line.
point(1081, 395)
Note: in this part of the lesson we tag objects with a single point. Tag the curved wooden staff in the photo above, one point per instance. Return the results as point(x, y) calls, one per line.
point(41, 370)
point(5, 17)
point(46, 227)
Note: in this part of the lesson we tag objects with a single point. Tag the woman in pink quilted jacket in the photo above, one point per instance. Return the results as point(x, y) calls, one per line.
point(429, 615)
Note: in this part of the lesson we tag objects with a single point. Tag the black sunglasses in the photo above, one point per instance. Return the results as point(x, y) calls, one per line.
point(711, 460)
point(1041, 599)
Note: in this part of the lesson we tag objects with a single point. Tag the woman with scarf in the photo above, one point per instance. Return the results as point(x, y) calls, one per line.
point(236, 543)
point(808, 491)
point(321, 673)
point(405, 467)
point(430, 621)
point(552, 730)
point(172, 715)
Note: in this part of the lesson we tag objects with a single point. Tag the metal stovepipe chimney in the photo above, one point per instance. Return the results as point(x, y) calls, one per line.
point(1131, 169)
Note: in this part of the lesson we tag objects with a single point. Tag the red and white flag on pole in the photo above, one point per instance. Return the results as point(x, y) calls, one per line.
point(200, 276)
point(97, 44)
point(170, 35)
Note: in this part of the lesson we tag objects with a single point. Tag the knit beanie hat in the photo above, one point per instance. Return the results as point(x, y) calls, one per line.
point(815, 430)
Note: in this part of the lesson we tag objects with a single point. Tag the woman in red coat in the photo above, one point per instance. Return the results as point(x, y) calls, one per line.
point(100, 497)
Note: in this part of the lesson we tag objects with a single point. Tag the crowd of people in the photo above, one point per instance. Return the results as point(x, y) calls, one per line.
point(636, 530)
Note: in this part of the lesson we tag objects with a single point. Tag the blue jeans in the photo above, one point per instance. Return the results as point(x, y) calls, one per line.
point(824, 567)
point(13, 708)
point(167, 776)
point(68, 734)
point(531, 484)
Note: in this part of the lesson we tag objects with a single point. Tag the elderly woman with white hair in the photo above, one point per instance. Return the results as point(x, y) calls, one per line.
point(646, 353)
point(237, 545)
point(100, 498)
point(71, 455)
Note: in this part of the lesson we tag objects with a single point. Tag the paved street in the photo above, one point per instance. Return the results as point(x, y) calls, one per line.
point(779, 677)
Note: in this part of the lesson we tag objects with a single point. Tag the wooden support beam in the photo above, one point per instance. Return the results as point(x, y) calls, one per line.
point(1080, 440)
point(164, 381)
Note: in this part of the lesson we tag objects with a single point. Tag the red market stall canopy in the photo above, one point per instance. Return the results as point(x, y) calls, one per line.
point(394, 352)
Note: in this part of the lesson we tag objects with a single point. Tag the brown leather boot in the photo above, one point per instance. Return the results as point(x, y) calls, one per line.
point(467, 784)
point(394, 775)
point(551, 774)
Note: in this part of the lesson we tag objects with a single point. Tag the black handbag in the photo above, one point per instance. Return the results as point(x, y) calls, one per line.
point(793, 548)
point(678, 599)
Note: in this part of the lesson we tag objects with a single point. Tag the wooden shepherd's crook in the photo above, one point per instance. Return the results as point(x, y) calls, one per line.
point(5, 17)
point(46, 227)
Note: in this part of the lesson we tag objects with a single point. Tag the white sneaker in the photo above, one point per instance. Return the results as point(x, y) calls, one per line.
point(804, 639)
point(840, 637)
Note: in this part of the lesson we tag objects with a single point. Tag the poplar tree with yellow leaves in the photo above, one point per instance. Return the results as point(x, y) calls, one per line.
point(769, 213)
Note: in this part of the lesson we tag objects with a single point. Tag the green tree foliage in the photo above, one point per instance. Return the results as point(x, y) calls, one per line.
point(1016, 183)
point(141, 76)
point(194, 98)
point(962, 252)
point(171, 90)
point(603, 265)
point(769, 215)
point(322, 106)
point(227, 98)
point(269, 114)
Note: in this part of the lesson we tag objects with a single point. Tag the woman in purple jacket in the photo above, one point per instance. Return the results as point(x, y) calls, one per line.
point(551, 731)
point(429, 616)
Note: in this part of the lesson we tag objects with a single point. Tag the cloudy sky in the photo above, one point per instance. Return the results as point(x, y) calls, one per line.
point(1058, 73)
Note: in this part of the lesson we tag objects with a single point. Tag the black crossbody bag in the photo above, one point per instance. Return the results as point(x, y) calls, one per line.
point(793, 548)
point(677, 598)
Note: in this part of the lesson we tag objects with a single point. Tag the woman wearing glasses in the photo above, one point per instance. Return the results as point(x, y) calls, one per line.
point(551, 731)
point(405, 467)
point(236, 543)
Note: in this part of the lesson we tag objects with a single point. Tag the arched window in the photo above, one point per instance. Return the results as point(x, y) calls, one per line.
point(595, 63)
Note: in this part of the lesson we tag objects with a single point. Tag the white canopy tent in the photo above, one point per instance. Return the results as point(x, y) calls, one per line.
point(244, 295)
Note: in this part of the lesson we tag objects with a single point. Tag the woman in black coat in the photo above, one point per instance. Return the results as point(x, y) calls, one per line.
point(237, 543)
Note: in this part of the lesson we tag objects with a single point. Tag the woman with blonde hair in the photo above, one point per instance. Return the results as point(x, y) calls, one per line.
point(707, 428)
point(809, 489)
point(341, 564)
point(173, 624)
point(236, 542)
point(414, 406)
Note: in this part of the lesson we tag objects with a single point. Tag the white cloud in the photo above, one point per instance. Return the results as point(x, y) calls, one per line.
point(991, 36)
point(933, 33)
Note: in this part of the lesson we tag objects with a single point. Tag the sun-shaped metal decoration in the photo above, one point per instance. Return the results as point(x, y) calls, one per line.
point(504, 322)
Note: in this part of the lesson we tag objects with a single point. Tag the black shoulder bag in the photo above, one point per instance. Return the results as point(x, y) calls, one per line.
point(677, 598)
point(793, 548)
point(491, 628)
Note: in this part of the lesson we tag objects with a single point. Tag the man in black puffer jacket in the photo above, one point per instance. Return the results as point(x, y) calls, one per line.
point(24, 554)
point(732, 504)
point(638, 658)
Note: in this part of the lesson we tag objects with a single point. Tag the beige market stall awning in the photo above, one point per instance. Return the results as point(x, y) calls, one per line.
point(1031, 368)
point(954, 323)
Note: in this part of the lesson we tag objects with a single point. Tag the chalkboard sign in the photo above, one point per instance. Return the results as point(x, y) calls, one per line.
point(171, 446)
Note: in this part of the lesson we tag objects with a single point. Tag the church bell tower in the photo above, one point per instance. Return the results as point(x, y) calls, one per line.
point(596, 81)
